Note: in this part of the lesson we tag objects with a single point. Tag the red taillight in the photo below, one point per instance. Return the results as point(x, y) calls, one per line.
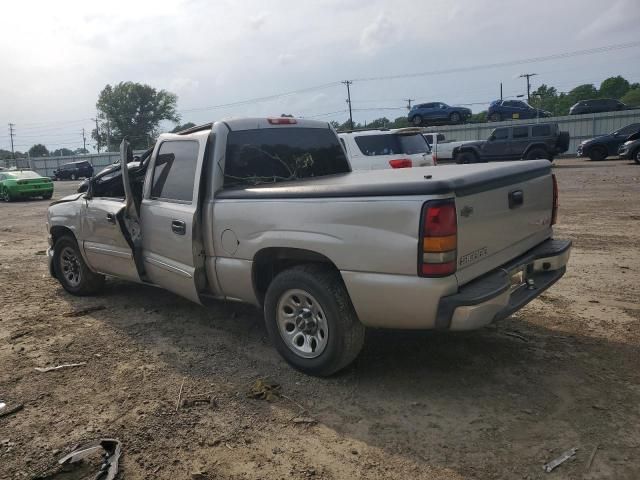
point(435, 159)
point(282, 121)
point(401, 163)
point(437, 253)
point(554, 211)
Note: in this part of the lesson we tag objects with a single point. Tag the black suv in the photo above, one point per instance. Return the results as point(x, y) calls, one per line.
point(73, 170)
point(596, 106)
point(529, 142)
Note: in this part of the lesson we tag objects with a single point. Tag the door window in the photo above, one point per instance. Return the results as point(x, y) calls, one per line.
point(175, 170)
point(541, 131)
point(520, 132)
point(500, 134)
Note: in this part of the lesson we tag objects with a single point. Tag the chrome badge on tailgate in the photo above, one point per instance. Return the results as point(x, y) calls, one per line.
point(473, 256)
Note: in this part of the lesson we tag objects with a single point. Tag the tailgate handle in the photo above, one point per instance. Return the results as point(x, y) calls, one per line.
point(178, 227)
point(516, 198)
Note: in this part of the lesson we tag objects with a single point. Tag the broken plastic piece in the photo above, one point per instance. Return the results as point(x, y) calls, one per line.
point(548, 467)
point(109, 466)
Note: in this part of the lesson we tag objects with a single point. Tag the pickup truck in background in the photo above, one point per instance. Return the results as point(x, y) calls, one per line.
point(516, 142)
point(268, 212)
point(442, 149)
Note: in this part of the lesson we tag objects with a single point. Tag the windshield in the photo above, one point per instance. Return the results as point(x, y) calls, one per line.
point(272, 155)
point(24, 174)
point(392, 144)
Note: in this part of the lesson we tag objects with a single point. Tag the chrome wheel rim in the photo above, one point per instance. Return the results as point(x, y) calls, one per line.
point(70, 266)
point(302, 323)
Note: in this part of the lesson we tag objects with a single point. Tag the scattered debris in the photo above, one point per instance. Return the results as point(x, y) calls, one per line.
point(264, 389)
point(84, 311)
point(305, 420)
point(111, 457)
point(4, 410)
point(548, 467)
point(180, 394)
point(200, 475)
point(592, 456)
point(17, 335)
point(41, 252)
point(192, 401)
point(598, 407)
point(60, 367)
point(516, 335)
point(594, 301)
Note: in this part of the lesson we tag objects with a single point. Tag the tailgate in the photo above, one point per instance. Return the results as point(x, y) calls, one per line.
point(501, 222)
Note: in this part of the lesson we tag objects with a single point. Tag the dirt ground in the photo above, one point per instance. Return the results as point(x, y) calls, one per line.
point(496, 403)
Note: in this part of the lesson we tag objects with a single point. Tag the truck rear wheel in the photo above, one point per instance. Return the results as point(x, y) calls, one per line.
point(71, 270)
point(311, 321)
point(538, 154)
point(466, 157)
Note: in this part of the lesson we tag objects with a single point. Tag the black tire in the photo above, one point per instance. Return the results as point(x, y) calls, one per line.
point(455, 117)
point(466, 157)
point(538, 154)
point(5, 195)
point(597, 154)
point(47, 196)
point(88, 282)
point(636, 156)
point(495, 117)
point(417, 120)
point(345, 333)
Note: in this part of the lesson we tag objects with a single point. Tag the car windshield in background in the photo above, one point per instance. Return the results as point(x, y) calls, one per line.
point(27, 174)
point(280, 154)
point(392, 144)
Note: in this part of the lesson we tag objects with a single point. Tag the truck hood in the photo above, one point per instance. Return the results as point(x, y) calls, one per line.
point(441, 180)
point(69, 198)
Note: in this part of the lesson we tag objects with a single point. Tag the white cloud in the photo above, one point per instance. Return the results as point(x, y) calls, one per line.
point(377, 34)
point(257, 22)
point(285, 58)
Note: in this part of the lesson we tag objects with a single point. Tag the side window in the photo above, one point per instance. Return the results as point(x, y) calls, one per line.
point(629, 129)
point(501, 133)
point(520, 132)
point(175, 170)
point(429, 138)
point(541, 131)
point(344, 145)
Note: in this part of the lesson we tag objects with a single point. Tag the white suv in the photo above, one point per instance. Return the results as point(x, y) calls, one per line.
point(377, 149)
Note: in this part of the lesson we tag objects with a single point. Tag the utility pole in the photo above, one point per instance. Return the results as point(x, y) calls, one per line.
point(84, 141)
point(97, 134)
point(13, 154)
point(500, 91)
point(409, 100)
point(348, 84)
point(528, 76)
point(108, 135)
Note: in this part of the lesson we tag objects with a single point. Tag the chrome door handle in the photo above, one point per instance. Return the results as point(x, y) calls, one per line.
point(178, 227)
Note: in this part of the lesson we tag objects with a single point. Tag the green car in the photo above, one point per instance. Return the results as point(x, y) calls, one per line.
point(16, 184)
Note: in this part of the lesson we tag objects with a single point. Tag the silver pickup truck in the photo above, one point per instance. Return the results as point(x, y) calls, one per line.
point(268, 212)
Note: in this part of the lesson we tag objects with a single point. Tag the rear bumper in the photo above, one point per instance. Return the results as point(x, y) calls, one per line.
point(493, 297)
point(31, 192)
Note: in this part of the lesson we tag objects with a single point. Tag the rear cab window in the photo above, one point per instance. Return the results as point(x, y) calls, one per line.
point(392, 144)
point(272, 155)
point(175, 170)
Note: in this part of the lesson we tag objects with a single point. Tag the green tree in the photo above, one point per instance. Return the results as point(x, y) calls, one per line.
point(614, 87)
point(133, 110)
point(335, 124)
point(632, 97)
point(400, 122)
point(480, 117)
point(62, 152)
point(38, 150)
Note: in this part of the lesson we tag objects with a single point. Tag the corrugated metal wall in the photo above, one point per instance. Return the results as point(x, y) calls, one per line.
point(580, 127)
point(46, 165)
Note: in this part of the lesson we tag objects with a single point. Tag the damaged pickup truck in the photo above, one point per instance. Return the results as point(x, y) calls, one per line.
point(268, 212)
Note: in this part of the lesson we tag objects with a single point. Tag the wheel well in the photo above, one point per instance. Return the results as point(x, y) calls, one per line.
point(268, 262)
point(59, 231)
point(535, 145)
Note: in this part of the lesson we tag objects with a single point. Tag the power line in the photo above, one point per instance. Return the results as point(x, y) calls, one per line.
point(528, 77)
point(409, 100)
point(575, 53)
point(348, 84)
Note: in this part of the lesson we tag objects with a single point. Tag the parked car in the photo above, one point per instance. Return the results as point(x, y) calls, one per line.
point(17, 184)
point(603, 146)
point(375, 149)
point(109, 177)
point(73, 170)
point(529, 142)
point(631, 148)
point(436, 113)
point(513, 110)
point(442, 149)
point(596, 106)
point(271, 214)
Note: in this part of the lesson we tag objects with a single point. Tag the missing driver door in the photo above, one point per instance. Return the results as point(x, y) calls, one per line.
point(171, 242)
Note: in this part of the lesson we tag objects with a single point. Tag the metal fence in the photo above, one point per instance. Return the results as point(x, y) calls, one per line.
point(46, 165)
point(580, 127)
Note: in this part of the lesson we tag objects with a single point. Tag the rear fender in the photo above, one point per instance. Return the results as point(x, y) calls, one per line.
point(535, 145)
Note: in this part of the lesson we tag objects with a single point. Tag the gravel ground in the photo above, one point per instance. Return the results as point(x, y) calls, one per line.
point(496, 403)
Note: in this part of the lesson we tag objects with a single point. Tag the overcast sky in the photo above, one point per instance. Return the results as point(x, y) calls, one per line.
point(57, 55)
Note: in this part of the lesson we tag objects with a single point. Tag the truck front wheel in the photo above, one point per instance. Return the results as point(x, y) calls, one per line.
point(71, 271)
point(311, 321)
